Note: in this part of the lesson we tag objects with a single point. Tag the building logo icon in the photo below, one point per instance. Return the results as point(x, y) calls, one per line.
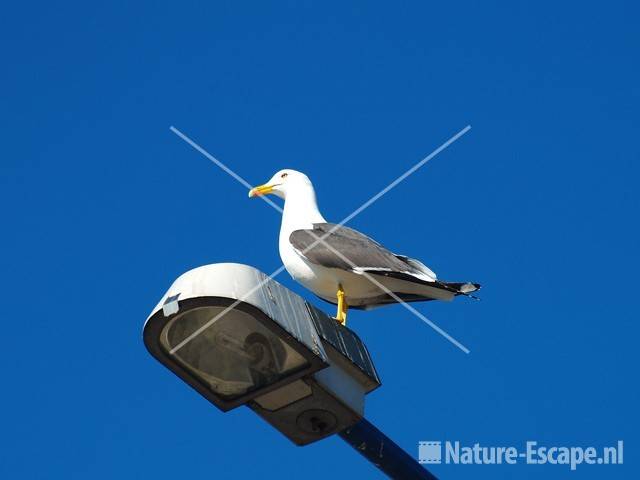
point(430, 452)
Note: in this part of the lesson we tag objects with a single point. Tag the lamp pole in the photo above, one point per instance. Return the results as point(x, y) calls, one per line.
point(383, 452)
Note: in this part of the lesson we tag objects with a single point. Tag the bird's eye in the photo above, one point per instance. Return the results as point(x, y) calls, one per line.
point(284, 175)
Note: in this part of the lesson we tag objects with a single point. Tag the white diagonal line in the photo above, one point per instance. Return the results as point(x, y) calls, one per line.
point(402, 177)
point(393, 184)
point(321, 239)
point(392, 295)
point(221, 165)
point(226, 310)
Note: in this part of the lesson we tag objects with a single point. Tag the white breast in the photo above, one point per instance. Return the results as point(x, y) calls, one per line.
point(301, 212)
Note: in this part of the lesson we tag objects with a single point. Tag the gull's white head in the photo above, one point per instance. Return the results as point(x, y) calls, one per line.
point(283, 183)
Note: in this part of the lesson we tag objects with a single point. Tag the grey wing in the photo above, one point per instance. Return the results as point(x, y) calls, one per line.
point(356, 252)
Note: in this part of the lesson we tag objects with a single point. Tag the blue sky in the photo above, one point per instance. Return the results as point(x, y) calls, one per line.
point(104, 207)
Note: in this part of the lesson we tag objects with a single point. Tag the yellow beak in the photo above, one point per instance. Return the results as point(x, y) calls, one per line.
point(260, 190)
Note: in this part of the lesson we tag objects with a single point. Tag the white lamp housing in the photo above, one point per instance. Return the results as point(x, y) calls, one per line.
point(239, 337)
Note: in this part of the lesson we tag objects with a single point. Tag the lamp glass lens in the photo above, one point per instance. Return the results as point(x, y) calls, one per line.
point(234, 355)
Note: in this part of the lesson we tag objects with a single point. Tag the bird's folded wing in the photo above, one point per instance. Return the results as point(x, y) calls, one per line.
point(334, 246)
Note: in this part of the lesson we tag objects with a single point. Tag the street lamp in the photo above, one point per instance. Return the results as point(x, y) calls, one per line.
point(240, 338)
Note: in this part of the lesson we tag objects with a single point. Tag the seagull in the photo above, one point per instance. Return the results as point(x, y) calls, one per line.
point(341, 265)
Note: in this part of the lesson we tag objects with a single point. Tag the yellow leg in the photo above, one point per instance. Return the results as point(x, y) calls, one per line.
point(341, 314)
